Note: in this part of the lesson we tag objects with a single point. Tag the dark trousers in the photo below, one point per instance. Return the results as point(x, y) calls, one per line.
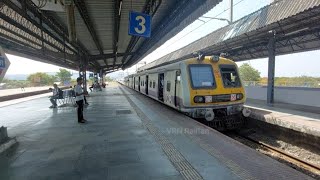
point(80, 110)
point(53, 100)
point(85, 100)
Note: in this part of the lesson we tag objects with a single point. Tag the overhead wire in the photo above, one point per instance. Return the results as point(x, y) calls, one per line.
point(203, 23)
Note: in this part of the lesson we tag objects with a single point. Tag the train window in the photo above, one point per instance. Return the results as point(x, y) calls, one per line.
point(150, 83)
point(201, 76)
point(154, 84)
point(168, 86)
point(230, 76)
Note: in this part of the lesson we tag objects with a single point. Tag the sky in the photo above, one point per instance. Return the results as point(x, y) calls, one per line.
point(286, 65)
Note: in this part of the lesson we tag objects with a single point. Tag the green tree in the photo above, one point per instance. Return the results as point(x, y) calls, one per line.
point(63, 75)
point(5, 80)
point(40, 78)
point(248, 73)
point(302, 81)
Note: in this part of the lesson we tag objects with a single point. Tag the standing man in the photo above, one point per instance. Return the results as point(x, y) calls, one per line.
point(79, 99)
point(55, 96)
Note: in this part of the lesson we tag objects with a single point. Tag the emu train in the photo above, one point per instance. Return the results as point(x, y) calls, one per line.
point(207, 87)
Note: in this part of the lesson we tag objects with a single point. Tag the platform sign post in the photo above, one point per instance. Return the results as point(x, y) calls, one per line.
point(4, 64)
point(139, 24)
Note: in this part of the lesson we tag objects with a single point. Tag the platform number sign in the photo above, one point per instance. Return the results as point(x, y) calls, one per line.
point(2, 62)
point(139, 24)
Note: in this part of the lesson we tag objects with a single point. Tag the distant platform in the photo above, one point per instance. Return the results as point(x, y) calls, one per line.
point(7, 92)
point(287, 116)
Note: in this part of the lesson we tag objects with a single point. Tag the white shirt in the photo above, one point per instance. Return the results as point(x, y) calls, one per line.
point(55, 91)
point(78, 89)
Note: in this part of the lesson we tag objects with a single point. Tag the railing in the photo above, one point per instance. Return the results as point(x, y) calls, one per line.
point(284, 84)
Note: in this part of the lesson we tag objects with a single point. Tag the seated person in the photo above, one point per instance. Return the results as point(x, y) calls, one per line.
point(55, 96)
point(92, 86)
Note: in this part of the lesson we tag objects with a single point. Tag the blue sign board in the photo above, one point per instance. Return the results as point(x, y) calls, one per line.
point(2, 62)
point(139, 24)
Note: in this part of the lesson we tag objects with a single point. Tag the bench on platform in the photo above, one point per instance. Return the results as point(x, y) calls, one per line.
point(67, 97)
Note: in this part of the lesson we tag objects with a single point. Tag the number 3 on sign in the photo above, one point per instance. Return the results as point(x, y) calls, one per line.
point(142, 27)
point(139, 24)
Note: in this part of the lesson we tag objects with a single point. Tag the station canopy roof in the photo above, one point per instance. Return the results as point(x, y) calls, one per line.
point(294, 25)
point(101, 30)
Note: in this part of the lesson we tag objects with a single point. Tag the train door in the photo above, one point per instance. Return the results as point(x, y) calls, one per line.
point(160, 86)
point(134, 82)
point(139, 84)
point(177, 89)
point(147, 84)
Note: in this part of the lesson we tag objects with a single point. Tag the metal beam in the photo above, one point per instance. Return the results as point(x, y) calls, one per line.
point(29, 8)
point(116, 26)
point(271, 68)
point(108, 56)
point(64, 33)
point(78, 45)
point(56, 34)
point(148, 7)
point(44, 50)
point(48, 57)
point(81, 6)
point(9, 20)
point(168, 26)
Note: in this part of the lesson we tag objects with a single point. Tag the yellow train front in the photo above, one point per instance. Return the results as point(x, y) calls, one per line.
point(205, 87)
point(215, 92)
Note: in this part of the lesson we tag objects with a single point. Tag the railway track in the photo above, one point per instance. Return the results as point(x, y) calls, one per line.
point(311, 169)
point(294, 162)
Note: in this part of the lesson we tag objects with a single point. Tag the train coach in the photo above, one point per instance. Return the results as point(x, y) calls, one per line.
point(207, 87)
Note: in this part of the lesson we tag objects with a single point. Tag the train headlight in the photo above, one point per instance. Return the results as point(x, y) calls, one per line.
point(199, 99)
point(239, 96)
point(215, 58)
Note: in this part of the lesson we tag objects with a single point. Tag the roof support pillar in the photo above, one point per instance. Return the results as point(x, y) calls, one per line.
point(101, 77)
point(271, 68)
point(71, 22)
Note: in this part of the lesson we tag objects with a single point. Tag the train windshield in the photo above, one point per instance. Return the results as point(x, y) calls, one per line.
point(201, 76)
point(230, 76)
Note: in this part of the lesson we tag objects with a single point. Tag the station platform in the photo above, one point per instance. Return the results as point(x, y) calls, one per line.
point(128, 136)
point(288, 116)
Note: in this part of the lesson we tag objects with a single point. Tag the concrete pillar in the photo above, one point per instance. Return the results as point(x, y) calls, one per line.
point(85, 80)
point(271, 68)
point(101, 74)
point(3, 134)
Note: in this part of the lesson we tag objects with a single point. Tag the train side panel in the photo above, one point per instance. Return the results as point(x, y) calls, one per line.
point(153, 86)
point(143, 87)
point(169, 88)
point(136, 82)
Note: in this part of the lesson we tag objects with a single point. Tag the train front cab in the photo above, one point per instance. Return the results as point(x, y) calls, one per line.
point(216, 92)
